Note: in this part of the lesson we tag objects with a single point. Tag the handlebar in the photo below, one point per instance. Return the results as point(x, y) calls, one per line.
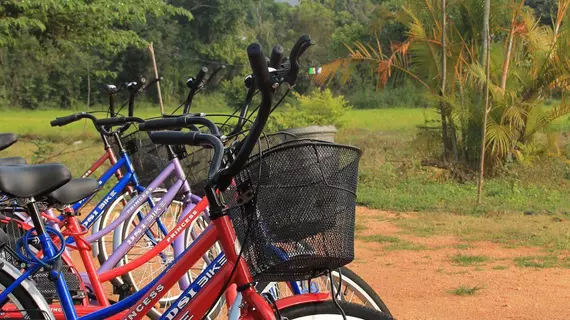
point(117, 121)
point(100, 124)
point(179, 122)
point(194, 84)
point(276, 57)
point(302, 44)
point(265, 86)
point(193, 138)
point(135, 89)
point(63, 121)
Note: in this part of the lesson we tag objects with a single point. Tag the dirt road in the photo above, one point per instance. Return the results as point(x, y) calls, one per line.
point(420, 283)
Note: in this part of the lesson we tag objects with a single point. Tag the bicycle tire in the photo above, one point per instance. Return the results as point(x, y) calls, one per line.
point(24, 297)
point(328, 311)
point(350, 279)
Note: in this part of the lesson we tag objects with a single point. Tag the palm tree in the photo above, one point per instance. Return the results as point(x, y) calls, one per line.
point(537, 58)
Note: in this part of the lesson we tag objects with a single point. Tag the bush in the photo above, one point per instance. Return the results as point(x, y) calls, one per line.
point(318, 108)
point(402, 96)
point(234, 91)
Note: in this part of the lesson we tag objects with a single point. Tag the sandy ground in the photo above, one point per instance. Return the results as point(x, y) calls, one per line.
point(416, 284)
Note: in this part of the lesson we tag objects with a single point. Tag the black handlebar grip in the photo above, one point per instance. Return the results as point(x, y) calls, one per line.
point(258, 64)
point(180, 122)
point(299, 48)
point(200, 77)
point(162, 124)
point(193, 138)
point(59, 122)
point(173, 137)
point(117, 121)
point(276, 57)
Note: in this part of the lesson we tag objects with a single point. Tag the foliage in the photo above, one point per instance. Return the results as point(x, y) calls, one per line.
point(318, 108)
point(405, 95)
point(57, 52)
point(533, 66)
point(234, 91)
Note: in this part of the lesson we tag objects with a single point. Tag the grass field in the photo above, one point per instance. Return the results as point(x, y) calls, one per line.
point(36, 124)
point(391, 175)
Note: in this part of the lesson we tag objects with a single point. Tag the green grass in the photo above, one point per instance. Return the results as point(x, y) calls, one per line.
point(465, 291)
point(391, 175)
point(379, 239)
point(509, 230)
point(468, 260)
point(464, 246)
point(392, 243)
point(405, 246)
point(359, 227)
point(36, 124)
point(500, 267)
point(392, 119)
point(393, 178)
point(540, 262)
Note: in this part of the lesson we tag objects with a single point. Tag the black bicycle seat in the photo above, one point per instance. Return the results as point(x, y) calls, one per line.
point(12, 161)
point(74, 190)
point(33, 181)
point(7, 139)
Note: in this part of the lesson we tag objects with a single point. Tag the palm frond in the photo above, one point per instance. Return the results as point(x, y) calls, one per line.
point(499, 139)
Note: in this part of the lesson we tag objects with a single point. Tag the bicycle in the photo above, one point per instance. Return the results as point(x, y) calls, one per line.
point(295, 287)
point(229, 267)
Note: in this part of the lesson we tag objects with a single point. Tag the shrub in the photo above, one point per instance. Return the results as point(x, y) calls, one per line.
point(316, 108)
point(402, 96)
point(234, 91)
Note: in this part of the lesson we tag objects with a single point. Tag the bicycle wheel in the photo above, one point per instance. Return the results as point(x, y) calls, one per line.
point(353, 289)
point(329, 311)
point(25, 302)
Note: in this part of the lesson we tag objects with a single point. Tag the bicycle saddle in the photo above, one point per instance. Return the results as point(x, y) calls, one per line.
point(7, 139)
point(74, 190)
point(12, 161)
point(32, 181)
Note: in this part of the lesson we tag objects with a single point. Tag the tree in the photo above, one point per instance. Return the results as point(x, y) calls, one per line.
point(68, 42)
point(537, 65)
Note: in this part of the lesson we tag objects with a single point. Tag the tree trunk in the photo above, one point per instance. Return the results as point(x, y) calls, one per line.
point(507, 61)
point(485, 35)
point(88, 97)
point(155, 68)
point(442, 109)
point(486, 110)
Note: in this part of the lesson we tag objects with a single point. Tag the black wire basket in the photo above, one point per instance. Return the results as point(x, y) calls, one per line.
point(197, 161)
point(293, 208)
point(148, 159)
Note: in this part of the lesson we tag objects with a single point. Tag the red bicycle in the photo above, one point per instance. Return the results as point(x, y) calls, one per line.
point(249, 221)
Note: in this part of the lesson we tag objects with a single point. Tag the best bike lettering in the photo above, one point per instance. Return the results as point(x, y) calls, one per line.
point(195, 288)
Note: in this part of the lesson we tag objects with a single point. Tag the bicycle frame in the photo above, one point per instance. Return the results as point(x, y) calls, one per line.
point(196, 299)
